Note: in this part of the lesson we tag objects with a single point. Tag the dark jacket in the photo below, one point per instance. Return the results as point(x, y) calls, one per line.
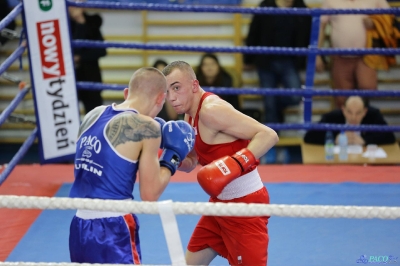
point(88, 68)
point(269, 30)
point(373, 117)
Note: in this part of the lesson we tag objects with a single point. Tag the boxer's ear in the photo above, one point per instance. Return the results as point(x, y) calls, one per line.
point(126, 92)
point(195, 85)
point(161, 97)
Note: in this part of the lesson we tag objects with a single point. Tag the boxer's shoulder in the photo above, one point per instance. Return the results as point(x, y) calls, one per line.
point(130, 123)
point(215, 112)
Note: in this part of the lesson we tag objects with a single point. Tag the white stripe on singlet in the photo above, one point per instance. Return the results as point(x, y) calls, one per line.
point(242, 186)
point(89, 214)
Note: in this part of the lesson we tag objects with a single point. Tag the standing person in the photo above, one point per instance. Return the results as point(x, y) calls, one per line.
point(112, 141)
point(349, 31)
point(86, 60)
point(167, 112)
point(225, 139)
point(211, 74)
point(278, 70)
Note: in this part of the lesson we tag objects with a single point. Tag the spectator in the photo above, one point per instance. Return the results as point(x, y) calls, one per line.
point(211, 74)
point(5, 9)
point(160, 64)
point(167, 112)
point(87, 27)
point(349, 31)
point(356, 111)
point(278, 70)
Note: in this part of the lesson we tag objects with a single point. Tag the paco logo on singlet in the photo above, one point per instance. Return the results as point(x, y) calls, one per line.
point(91, 142)
point(223, 167)
point(50, 49)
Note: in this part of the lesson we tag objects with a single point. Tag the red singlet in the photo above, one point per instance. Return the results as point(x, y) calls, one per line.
point(242, 240)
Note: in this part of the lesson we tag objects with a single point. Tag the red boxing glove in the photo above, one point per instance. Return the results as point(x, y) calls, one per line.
point(215, 176)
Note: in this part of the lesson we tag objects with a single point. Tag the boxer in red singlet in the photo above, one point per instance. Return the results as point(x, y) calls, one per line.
point(228, 145)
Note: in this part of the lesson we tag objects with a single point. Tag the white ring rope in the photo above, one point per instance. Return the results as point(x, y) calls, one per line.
point(203, 208)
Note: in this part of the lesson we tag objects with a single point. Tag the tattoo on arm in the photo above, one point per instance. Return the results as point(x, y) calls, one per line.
point(130, 127)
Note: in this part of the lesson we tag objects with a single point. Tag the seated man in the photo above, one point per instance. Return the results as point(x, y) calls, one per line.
point(355, 111)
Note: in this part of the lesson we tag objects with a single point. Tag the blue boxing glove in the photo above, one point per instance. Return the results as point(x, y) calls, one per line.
point(162, 123)
point(178, 139)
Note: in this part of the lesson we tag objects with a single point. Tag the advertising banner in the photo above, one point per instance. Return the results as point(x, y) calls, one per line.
point(52, 78)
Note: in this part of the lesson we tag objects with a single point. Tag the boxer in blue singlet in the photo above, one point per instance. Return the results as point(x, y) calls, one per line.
point(111, 141)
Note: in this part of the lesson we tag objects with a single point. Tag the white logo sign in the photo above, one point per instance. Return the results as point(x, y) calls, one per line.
point(222, 167)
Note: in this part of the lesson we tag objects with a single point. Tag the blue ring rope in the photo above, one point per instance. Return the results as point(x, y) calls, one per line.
point(14, 103)
point(286, 126)
point(11, 16)
point(259, 91)
point(312, 51)
point(333, 127)
point(236, 49)
point(18, 156)
point(224, 9)
point(11, 59)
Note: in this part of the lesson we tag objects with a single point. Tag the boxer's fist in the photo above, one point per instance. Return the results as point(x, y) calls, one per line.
point(214, 176)
point(178, 140)
point(162, 123)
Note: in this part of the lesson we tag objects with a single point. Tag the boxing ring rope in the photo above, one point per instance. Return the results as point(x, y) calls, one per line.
point(27, 143)
point(14, 56)
point(308, 92)
point(227, 9)
point(215, 209)
point(11, 16)
point(236, 49)
point(286, 126)
point(17, 99)
point(203, 208)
